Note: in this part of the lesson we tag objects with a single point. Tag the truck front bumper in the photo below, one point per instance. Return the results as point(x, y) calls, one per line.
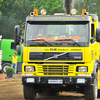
point(57, 80)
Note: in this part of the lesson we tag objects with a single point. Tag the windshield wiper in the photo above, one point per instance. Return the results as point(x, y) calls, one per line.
point(75, 42)
point(41, 40)
point(68, 40)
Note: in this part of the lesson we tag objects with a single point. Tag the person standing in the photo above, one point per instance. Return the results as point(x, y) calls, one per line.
point(14, 61)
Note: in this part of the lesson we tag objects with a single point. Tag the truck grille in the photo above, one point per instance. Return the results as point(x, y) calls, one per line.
point(54, 56)
point(57, 70)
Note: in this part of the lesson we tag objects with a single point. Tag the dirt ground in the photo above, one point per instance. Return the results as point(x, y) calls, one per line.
point(11, 89)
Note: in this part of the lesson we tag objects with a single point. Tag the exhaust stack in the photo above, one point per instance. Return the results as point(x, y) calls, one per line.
point(67, 4)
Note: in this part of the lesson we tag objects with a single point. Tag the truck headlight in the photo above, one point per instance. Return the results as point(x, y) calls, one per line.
point(82, 69)
point(29, 68)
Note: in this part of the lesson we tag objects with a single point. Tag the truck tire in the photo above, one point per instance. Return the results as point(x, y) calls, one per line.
point(98, 93)
point(29, 92)
point(4, 66)
point(91, 91)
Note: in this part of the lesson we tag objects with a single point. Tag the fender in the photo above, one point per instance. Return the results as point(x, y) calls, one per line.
point(95, 68)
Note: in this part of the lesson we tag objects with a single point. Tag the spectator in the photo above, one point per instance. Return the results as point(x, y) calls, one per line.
point(14, 61)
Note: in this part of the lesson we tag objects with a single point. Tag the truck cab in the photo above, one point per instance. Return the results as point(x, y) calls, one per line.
point(63, 56)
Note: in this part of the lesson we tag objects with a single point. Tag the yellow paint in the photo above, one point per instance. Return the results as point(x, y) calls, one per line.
point(87, 58)
point(31, 17)
point(83, 17)
point(90, 54)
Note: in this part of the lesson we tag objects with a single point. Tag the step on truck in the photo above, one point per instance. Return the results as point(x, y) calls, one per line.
point(60, 53)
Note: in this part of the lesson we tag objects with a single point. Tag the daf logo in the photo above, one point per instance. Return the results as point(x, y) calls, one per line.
point(55, 56)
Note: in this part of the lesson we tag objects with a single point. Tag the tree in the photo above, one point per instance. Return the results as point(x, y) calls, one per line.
point(13, 12)
point(52, 6)
point(90, 5)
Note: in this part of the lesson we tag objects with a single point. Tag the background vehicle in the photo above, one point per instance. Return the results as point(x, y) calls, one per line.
point(0, 53)
point(65, 59)
point(8, 49)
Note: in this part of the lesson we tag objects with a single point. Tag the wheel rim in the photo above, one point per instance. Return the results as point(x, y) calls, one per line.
point(4, 68)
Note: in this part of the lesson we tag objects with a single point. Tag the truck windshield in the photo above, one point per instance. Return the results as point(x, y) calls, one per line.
point(54, 32)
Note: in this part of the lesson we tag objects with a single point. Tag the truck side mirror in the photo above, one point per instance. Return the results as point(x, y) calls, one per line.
point(16, 34)
point(22, 41)
point(98, 35)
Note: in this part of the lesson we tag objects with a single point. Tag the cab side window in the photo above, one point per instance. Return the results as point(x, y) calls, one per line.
point(92, 33)
point(13, 46)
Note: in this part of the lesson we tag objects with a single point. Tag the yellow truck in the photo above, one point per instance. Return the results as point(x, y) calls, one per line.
point(60, 53)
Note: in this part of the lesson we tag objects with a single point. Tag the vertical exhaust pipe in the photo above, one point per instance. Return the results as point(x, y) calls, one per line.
point(67, 5)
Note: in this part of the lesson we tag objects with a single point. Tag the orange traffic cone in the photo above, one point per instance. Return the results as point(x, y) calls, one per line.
point(3, 77)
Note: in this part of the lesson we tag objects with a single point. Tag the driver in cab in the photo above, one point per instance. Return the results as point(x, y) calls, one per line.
point(82, 36)
point(40, 33)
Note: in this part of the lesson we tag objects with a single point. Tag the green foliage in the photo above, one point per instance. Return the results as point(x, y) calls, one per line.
point(52, 6)
point(91, 6)
point(0, 15)
point(14, 12)
point(10, 70)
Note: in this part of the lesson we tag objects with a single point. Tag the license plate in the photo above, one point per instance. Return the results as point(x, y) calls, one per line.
point(30, 80)
point(55, 81)
point(80, 80)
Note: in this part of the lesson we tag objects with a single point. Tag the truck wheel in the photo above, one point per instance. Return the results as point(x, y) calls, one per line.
point(91, 91)
point(4, 66)
point(98, 93)
point(29, 92)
